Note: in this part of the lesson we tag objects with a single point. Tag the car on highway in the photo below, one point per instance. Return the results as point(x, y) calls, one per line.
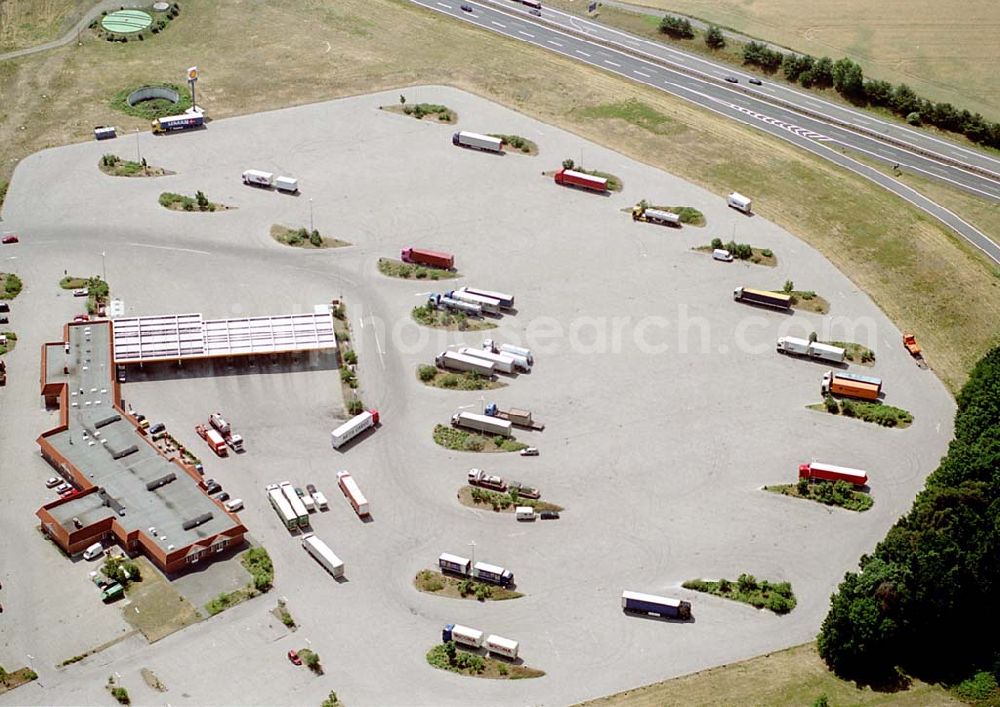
point(732, 79)
point(10, 238)
point(756, 82)
point(529, 452)
point(535, 11)
point(80, 292)
point(294, 657)
point(52, 482)
point(466, 8)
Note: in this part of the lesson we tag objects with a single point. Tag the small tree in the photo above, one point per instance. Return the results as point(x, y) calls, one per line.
point(714, 37)
point(746, 582)
point(311, 659)
point(813, 337)
point(402, 100)
point(821, 701)
point(451, 651)
point(725, 586)
point(716, 243)
point(202, 200)
point(350, 357)
point(315, 238)
point(427, 373)
point(568, 164)
point(789, 287)
point(831, 403)
point(332, 700)
point(802, 487)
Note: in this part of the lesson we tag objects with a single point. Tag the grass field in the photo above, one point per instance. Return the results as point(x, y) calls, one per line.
point(791, 678)
point(24, 23)
point(940, 50)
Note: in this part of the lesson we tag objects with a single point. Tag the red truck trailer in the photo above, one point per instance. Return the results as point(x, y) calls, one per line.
point(567, 177)
point(213, 438)
point(421, 256)
point(828, 472)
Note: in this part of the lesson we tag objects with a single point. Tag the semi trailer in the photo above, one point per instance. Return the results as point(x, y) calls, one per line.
point(172, 123)
point(480, 570)
point(353, 427)
point(812, 349)
point(817, 471)
point(488, 304)
point(850, 386)
point(352, 492)
point(516, 416)
point(462, 634)
point(667, 218)
point(225, 429)
point(739, 202)
point(491, 345)
point(446, 302)
point(323, 555)
point(458, 361)
point(213, 438)
point(498, 645)
point(257, 178)
point(487, 143)
point(777, 300)
point(298, 507)
point(506, 301)
point(639, 603)
point(481, 423)
point(501, 362)
point(432, 258)
point(571, 178)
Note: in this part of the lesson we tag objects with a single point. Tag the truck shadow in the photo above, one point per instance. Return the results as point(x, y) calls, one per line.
point(654, 617)
point(354, 440)
point(787, 312)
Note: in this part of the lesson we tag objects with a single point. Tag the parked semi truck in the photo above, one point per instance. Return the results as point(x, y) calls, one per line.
point(516, 416)
point(668, 218)
point(482, 423)
point(571, 178)
point(480, 570)
point(639, 603)
point(352, 492)
point(422, 256)
point(213, 438)
point(778, 300)
point(219, 423)
point(298, 507)
point(172, 123)
point(506, 301)
point(462, 634)
point(488, 304)
point(498, 645)
point(739, 202)
point(491, 345)
point(501, 362)
point(478, 477)
point(353, 427)
point(323, 555)
point(445, 302)
point(461, 362)
point(267, 180)
point(476, 141)
point(849, 386)
point(812, 349)
point(828, 472)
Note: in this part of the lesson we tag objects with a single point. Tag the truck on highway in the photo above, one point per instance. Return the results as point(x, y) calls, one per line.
point(476, 141)
point(352, 492)
point(323, 555)
point(812, 349)
point(817, 471)
point(445, 302)
point(481, 423)
point(432, 258)
point(488, 304)
point(258, 178)
point(462, 634)
point(777, 300)
point(298, 507)
point(501, 362)
point(516, 416)
point(491, 345)
point(481, 570)
point(739, 202)
point(225, 429)
point(213, 438)
point(282, 507)
point(461, 362)
point(185, 121)
point(668, 218)
point(353, 427)
point(571, 178)
point(850, 385)
point(639, 603)
point(498, 645)
point(506, 301)
point(478, 477)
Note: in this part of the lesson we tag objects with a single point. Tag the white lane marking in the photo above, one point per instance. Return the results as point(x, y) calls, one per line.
point(441, 4)
point(361, 321)
point(611, 63)
point(554, 44)
point(381, 353)
point(498, 24)
point(526, 34)
point(165, 247)
point(639, 73)
point(582, 53)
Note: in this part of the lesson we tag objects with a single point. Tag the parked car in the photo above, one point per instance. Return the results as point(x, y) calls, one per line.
point(549, 515)
point(222, 497)
point(723, 255)
point(299, 492)
point(4, 307)
point(732, 79)
point(10, 238)
point(756, 82)
point(81, 318)
point(294, 657)
point(157, 427)
point(80, 292)
point(535, 11)
point(234, 505)
point(63, 487)
point(69, 493)
point(213, 487)
point(529, 452)
point(52, 482)
point(3, 320)
point(311, 488)
point(524, 490)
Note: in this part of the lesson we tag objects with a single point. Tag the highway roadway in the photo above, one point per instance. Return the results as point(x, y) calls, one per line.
point(821, 127)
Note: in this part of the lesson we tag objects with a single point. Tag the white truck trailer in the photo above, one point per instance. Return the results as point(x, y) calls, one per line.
point(323, 555)
point(665, 217)
point(491, 345)
point(298, 507)
point(352, 492)
point(462, 634)
point(498, 645)
point(258, 178)
point(812, 349)
point(445, 302)
point(506, 301)
point(461, 362)
point(287, 184)
point(476, 141)
point(482, 423)
point(489, 305)
point(739, 202)
point(501, 362)
point(353, 427)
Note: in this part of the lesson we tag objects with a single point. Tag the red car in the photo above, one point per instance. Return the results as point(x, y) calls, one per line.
point(10, 238)
point(81, 318)
point(294, 657)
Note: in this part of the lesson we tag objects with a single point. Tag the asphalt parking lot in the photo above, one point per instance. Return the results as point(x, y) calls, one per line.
point(666, 408)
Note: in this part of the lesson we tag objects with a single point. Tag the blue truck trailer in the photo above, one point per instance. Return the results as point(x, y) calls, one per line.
point(638, 603)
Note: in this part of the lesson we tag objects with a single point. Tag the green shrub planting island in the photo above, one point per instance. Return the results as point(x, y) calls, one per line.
point(838, 493)
point(435, 582)
point(473, 441)
point(304, 238)
point(476, 497)
point(880, 414)
point(773, 596)
point(409, 271)
point(444, 319)
point(450, 380)
point(448, 656)
point(742, 251)
point(10, 285)
point(516, 143)
point(199, 202)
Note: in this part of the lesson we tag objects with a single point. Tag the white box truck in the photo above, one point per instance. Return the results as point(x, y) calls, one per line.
point(739, 202)
point(482, 423)
point(462, 362)
point(498, 645)
point(812, 349)
point(353, 427)
point(462, 634)
point(287, 184)
point(352, 492)
point(524, 513)
point(501, 362)
point(321, 502)
point(257, 178)
point(323, 554)
point(477, 141)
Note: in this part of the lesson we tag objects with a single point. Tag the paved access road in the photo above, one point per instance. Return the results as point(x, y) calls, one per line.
point(667, 69)
point(665, 404)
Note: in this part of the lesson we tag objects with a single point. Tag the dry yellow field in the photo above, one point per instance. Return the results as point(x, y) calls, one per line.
point(24, 23)
point(310, 50)
point(944, 51)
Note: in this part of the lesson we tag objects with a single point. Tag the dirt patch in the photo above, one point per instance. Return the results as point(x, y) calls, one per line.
point(302, 238)
point(442, 585)
point(431, 111)
point(150, 679)
point(450, 380)
point(155, 608)
point(16, 678)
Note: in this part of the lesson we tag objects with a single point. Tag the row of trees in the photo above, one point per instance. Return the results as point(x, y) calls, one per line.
point(680, 28)
point(847, 78)
point(926, 599)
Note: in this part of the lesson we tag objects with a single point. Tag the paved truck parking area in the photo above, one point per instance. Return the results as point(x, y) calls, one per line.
point(666, 409)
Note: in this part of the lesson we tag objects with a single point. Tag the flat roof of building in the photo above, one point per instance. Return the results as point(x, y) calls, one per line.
point(137, 484)
point(185, 336)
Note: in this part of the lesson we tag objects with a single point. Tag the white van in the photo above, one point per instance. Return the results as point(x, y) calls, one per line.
point(723, 255)
point(524, 513)
point(233, 505)
point(93, 552)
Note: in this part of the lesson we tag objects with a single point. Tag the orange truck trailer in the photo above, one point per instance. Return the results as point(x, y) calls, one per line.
point(851, 385)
